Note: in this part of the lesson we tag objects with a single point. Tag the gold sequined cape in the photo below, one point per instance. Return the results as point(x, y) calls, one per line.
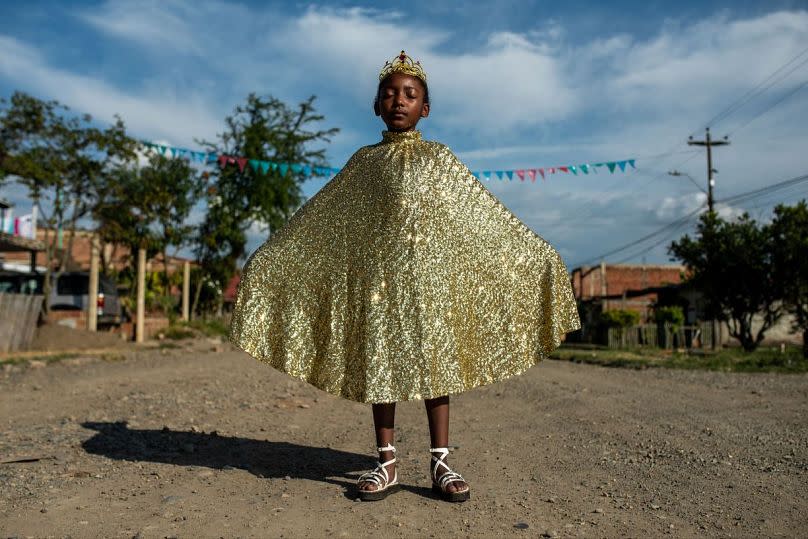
point(403, 278)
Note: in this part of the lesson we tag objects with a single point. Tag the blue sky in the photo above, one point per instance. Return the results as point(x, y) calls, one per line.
point(514, 84)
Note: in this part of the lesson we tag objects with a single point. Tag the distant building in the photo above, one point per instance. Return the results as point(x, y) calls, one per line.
point(113, 256)
point(633, 287)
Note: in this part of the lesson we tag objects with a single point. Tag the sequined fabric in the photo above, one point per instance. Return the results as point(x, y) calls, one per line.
point(403, 278)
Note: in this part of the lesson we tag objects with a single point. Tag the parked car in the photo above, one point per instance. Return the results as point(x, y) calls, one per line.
point(68, 292)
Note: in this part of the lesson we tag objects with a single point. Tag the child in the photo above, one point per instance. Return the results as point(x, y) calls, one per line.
point(403, 278)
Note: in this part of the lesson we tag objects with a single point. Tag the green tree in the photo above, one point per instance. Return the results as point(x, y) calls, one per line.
point(789, 230)
point(148, 207)
point(265, 129)
point(63, 160)
point(730, 263)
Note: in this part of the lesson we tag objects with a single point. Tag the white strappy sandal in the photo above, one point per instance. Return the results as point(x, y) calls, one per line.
point(379, 477)
point(440, 482)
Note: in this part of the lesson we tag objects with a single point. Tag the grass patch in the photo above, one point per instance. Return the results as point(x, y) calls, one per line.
point(177, 332)
point(212, 327)
point(725, 360)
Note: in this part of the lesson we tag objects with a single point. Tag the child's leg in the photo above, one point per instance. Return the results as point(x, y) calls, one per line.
point(437, 413)
point(384, 419)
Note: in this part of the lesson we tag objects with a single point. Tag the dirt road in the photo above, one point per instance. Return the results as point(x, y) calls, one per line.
point(191, 442)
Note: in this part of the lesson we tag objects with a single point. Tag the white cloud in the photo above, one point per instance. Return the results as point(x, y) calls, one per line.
point(157, 23)
point(157, 113)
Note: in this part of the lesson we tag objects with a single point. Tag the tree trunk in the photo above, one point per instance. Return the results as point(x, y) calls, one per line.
point(748, 342)
point(197, 293)
point(166, 284)
point(46, 279)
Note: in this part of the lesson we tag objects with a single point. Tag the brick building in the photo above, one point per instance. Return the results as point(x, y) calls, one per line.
point(112, 256)
point(624, 286)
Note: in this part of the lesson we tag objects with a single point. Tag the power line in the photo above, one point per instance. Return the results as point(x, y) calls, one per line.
point(769, 188)
point(665, 238)
point(670, 226)
point(781, 199)
point(678, 223)
point(770, 107)
point(756, 91)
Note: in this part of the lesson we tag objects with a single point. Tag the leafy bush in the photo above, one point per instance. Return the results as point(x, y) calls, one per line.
point(619, 318)
point(673, 315)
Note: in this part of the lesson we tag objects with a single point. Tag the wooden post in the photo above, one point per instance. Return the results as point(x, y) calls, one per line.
point(92, 293)
point(186, 290)
point(603, 288)
point(141, 296)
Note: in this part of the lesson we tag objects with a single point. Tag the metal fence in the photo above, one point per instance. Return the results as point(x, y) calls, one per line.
point(661, 336)
point(18, 317)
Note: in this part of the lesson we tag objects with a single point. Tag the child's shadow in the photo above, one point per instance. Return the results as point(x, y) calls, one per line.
point(259, 457)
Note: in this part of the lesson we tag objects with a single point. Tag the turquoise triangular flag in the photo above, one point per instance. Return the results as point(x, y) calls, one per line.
point(264, 167)
point(306, 171)
point(573, 169)
point(509, 173)
point(622, 165)
point(173, 152)
point(611, 167)
point(296, 168)
point(284, 168)
point(476, 174)
point(499, 174)
point(273, 166)
point(631, 162)
point(585, 168)
point(161, 149)
point(254, 165)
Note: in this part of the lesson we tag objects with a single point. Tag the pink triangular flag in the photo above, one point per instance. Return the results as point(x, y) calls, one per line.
point(521, 174)
point(541, 171)
point(242, 162)
point(532, 173)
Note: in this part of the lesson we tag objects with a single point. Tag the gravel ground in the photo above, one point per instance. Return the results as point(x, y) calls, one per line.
point(203, 441)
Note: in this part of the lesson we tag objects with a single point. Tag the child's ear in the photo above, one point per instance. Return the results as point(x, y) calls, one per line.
point(376, 110)
point(425, 110)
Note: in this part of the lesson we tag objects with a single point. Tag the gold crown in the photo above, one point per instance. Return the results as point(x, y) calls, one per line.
point(403, 64)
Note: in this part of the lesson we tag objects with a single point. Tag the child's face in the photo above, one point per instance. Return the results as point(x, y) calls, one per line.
point(401, 102)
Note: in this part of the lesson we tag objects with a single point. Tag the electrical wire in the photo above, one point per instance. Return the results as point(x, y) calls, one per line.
point(666, 238)
point(759, 89)
point(769, 188)
point(667, 228)
point(770, 107)
point(672, 228)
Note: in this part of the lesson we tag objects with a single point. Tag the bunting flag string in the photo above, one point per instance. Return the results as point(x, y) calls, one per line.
point(241, 162)
point(265, 167)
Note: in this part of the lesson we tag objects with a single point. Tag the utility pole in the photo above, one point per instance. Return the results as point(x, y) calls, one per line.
point(709, 143)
